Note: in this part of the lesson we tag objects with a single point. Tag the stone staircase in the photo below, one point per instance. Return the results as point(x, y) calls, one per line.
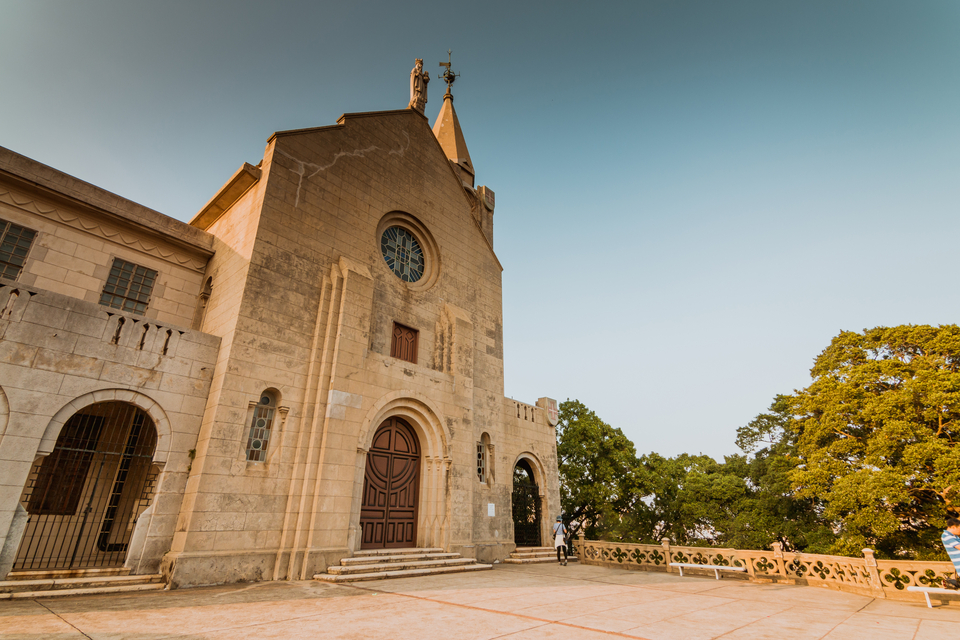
point(530, 555)
point(75, 582)
point(380, 564)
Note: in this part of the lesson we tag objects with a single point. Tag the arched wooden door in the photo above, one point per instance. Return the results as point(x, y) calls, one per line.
point(391, 487)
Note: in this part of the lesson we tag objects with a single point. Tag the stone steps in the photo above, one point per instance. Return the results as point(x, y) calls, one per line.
point(389, 552)
point(398, 566)
point(408, 573)
point(50, 574)
point(407, 557)
point(533, 555)
point(381, 564)
point(21, 587)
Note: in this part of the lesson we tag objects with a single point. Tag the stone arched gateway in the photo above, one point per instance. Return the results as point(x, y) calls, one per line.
point(95, 474)
point(430, 496)
point(528, 502)
point(84, 498)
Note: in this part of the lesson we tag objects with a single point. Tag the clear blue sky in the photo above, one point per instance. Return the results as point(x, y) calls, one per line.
point(692, 197)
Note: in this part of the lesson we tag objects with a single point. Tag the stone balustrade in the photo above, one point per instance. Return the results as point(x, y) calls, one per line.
point(866, 575)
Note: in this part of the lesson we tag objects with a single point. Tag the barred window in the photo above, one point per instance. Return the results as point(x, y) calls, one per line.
point(481, 462)
point(260, 427)
point(15, 243)
point(484, 462)
point(128, 287)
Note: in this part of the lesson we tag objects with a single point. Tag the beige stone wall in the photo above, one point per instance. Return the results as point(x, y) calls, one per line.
point(314, 318)
point(59, 354)
point(81, 229)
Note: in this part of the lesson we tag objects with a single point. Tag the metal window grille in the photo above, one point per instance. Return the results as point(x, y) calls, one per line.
point(15, 243)
point(481, 462)
point(128, 287)
point(260, 427)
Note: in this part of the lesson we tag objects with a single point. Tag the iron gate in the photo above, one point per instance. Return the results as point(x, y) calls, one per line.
point(85, 497)
point(526, 509)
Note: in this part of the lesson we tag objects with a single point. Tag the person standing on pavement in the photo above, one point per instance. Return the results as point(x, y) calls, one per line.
point(951, 542)
point(560, 540)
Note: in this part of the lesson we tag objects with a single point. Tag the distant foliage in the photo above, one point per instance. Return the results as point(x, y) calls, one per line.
point(866, 456)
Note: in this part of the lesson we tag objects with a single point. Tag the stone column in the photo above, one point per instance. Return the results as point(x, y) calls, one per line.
point(778, 559)
point(665, 543)
point(876, 587)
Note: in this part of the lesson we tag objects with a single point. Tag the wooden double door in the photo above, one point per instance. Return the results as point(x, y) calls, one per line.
point(391, 488)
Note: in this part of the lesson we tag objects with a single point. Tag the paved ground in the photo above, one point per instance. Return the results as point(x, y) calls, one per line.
point(531, 602)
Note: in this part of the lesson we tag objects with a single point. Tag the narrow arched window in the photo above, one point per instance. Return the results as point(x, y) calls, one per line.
point(261, 426)
point(484, 466)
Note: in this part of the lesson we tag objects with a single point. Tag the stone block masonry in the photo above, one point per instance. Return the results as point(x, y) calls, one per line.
point(59, 355)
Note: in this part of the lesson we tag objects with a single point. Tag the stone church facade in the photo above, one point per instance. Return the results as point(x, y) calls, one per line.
point(310, 367)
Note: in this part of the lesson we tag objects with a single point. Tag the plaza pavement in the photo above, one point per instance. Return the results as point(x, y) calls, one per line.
point(529, 602)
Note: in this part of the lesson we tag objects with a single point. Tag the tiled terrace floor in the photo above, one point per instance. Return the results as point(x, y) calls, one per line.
point(528, 602)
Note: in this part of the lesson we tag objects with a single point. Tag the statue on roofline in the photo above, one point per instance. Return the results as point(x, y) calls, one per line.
point(418, 86)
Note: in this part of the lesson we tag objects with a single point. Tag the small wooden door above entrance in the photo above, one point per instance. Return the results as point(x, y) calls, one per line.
point(391, 487)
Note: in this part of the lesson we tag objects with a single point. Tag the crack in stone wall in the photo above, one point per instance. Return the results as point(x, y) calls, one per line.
point(356, 153)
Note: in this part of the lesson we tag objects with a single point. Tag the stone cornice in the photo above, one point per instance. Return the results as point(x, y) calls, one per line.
point(62, 190)
point(98, 228)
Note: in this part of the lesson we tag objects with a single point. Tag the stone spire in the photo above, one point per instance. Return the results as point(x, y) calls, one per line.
point(448, 132)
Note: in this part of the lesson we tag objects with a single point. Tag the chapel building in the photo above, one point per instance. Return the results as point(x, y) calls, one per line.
point(310, 368)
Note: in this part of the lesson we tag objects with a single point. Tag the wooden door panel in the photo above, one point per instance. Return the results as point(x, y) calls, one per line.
point(388, 511)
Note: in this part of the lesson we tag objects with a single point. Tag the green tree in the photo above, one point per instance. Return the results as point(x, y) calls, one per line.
point(876, 436)
point(681, 500)
point(774, 512)
point(746, 501)
point(601, 481)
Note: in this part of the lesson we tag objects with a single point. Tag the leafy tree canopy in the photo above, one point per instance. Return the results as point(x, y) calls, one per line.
point(876, 436)
point(600, 476)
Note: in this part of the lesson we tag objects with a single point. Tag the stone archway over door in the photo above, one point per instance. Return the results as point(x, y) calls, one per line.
point(391, 488)
point(84, 498)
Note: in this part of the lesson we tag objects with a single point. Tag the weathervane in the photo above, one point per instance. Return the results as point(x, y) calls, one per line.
point(448, 75)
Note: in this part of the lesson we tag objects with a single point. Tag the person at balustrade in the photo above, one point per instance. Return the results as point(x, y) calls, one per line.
point(951, 542)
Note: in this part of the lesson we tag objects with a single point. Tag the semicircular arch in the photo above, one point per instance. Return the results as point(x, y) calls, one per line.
point(539, 473)
point(137, 399)
point(418, 411)
point(4, 412)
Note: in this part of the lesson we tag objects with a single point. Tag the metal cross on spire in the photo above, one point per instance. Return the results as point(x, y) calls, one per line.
point(448, 75)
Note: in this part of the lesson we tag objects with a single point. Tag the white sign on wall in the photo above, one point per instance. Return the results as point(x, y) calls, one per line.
point(491, 509)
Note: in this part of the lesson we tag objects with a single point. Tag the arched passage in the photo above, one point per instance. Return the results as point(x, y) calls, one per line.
point(84, 498)
point(527, 505)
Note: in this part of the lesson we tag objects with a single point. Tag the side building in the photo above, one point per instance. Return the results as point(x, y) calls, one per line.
point(311, 367)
